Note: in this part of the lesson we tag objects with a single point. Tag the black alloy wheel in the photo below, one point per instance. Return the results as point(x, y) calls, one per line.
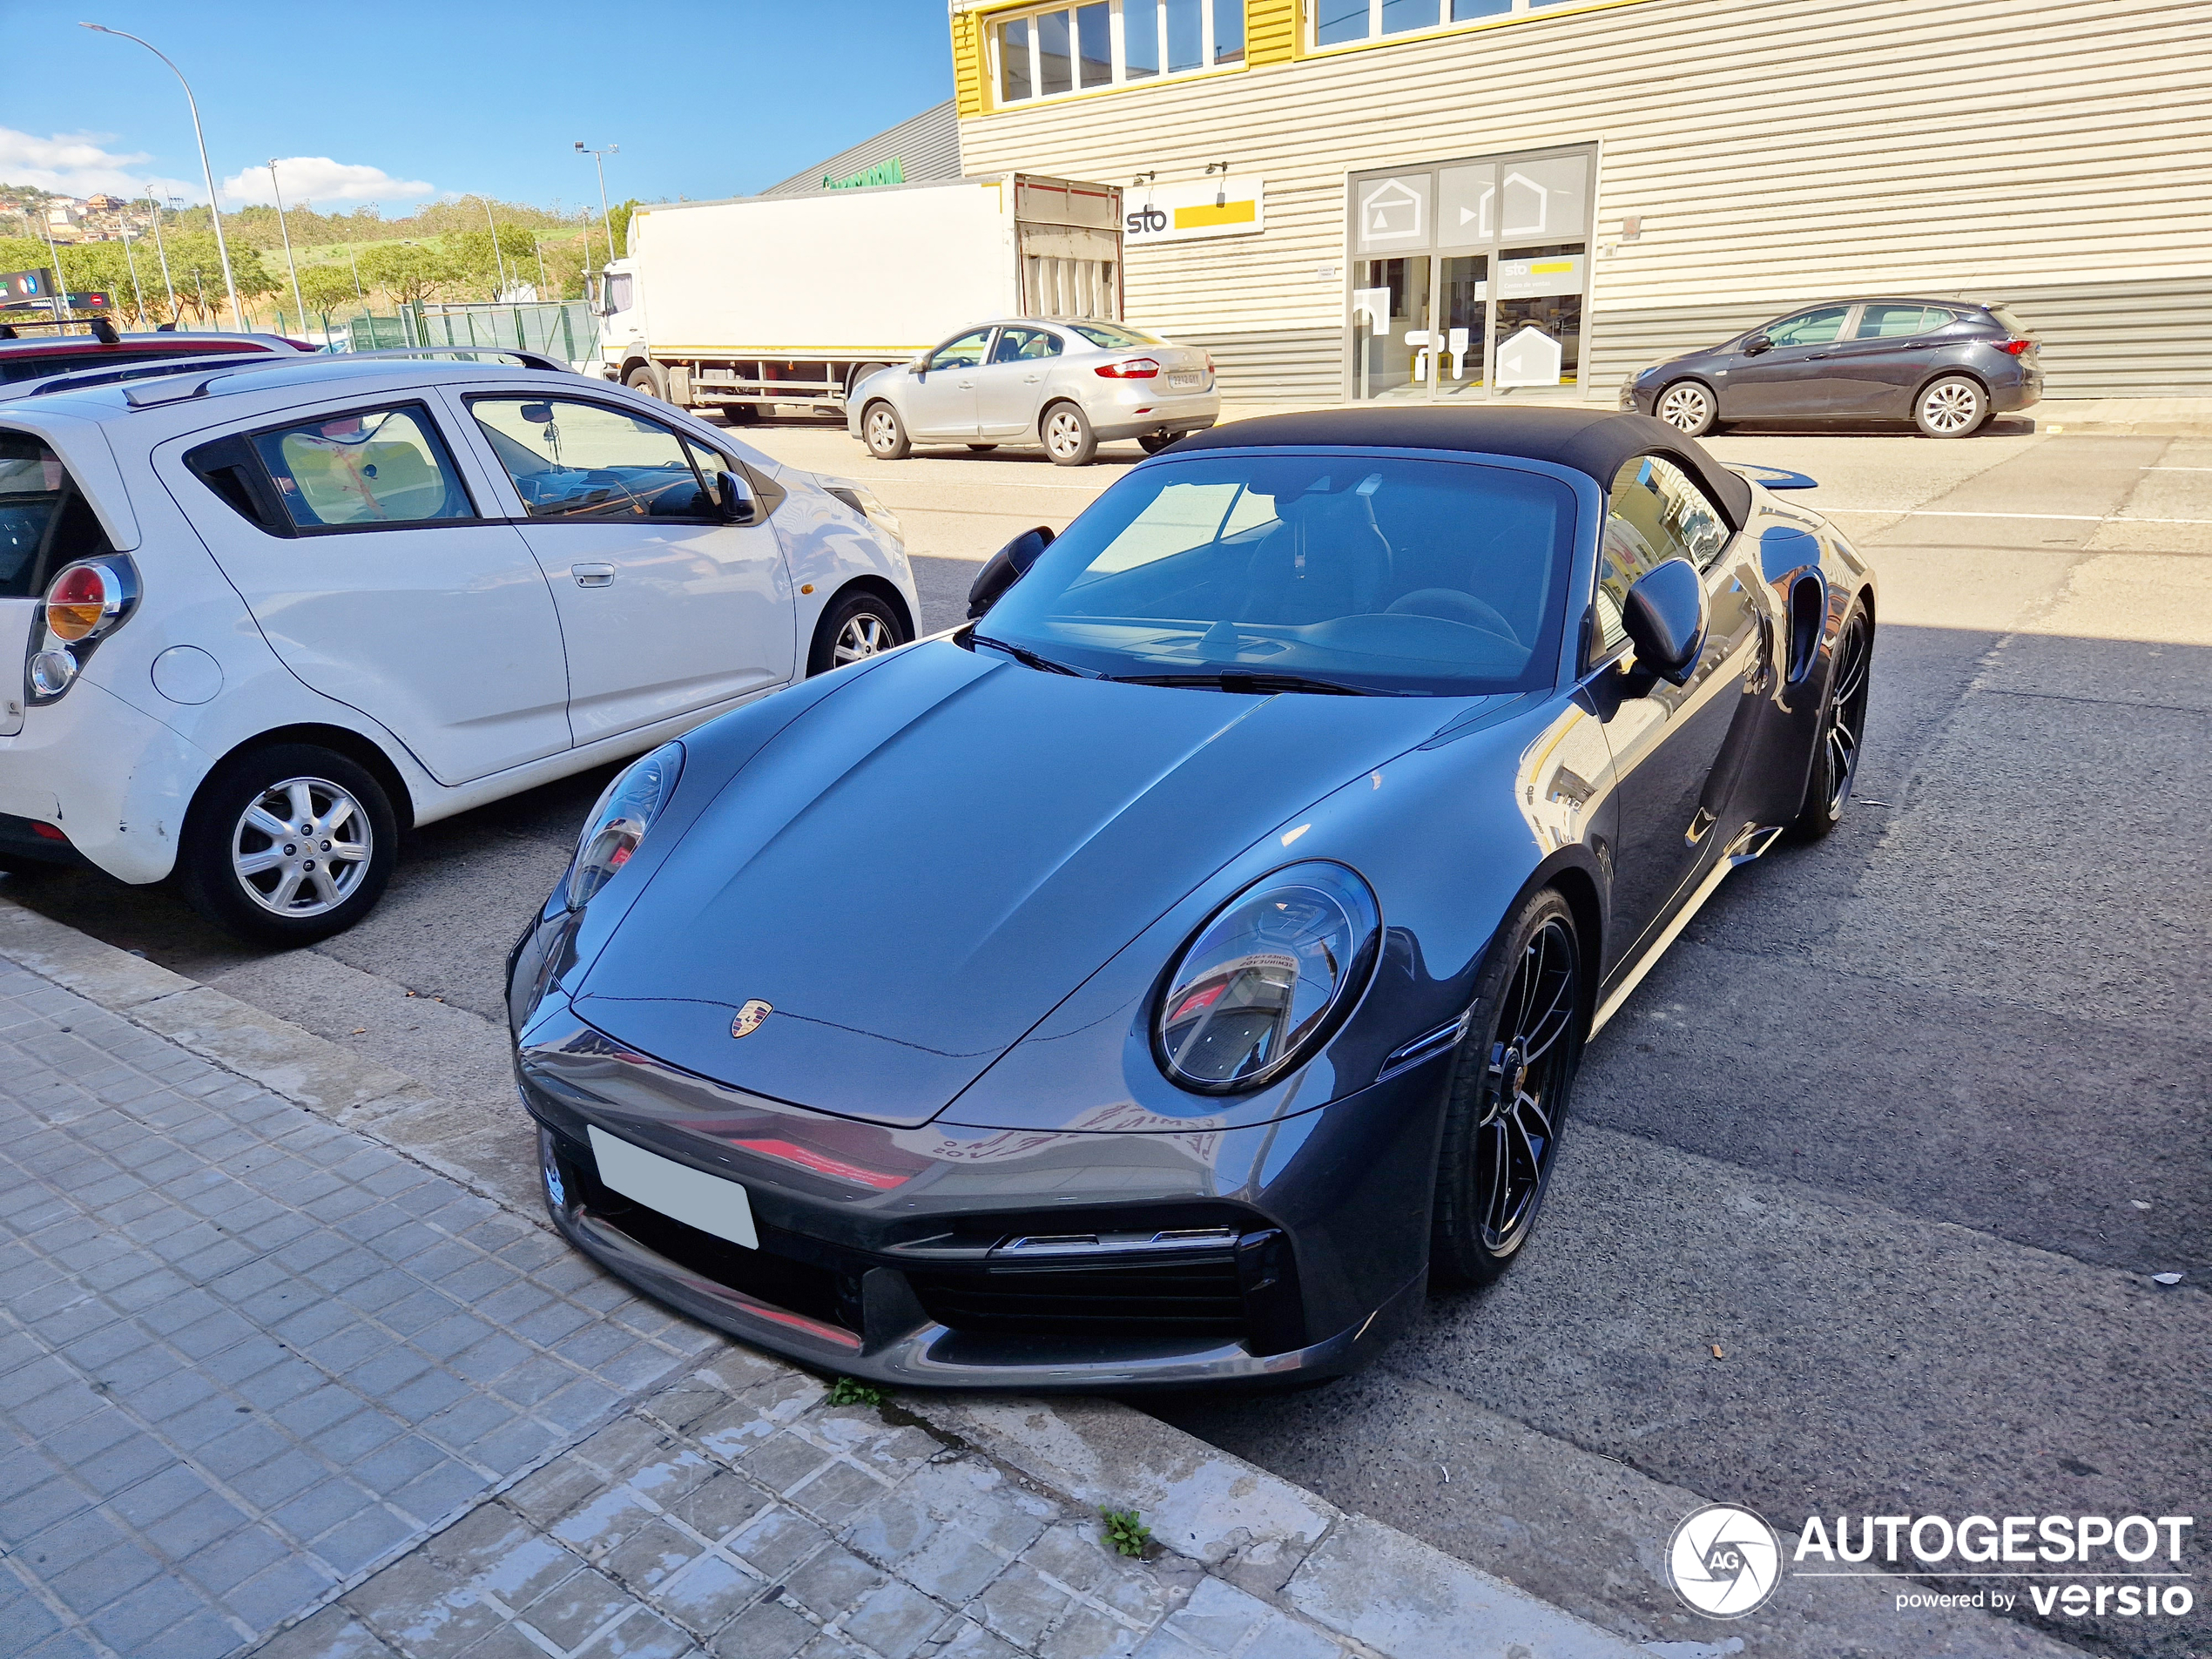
point(1509, 1092)
point(1841, 733)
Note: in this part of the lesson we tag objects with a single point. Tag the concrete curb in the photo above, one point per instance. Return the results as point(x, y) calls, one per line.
point(1375, 1589)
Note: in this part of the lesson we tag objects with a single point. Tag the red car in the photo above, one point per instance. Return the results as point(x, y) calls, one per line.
point(24, 355)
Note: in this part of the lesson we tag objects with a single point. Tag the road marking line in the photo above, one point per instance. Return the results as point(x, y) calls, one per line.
point(2166, 468)
point(2065, 518)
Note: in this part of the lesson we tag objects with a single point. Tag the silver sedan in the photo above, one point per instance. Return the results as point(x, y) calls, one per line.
point(1066, 384)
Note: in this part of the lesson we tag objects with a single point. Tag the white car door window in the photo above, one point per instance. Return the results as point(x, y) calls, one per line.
point(1009, 389)
point(356, 544)
point(668, 607)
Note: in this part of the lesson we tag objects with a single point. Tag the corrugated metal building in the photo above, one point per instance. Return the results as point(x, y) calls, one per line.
point(1440, 197)
point(921, 150)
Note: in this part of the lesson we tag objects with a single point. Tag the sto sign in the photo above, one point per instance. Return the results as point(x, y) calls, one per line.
point(1199, 207)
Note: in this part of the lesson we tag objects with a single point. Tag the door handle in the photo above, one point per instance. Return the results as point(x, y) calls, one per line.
point(593, 575)
point(1031, 380)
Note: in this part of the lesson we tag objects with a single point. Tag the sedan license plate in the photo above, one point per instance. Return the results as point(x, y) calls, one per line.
point(1186, 382)
point(677, 1191)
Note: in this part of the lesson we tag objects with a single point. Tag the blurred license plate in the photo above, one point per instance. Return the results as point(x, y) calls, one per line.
point(677, 1191)
point(1186, 382)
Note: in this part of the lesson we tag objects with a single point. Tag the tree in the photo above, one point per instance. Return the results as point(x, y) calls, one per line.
point(327, 287)
point(619, 226)
point(471, 252)
point(408, 272)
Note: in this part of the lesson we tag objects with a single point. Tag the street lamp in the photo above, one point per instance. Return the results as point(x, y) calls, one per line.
point(238, 317)
point(291, 264)
point(162, 254)
point(599, 160)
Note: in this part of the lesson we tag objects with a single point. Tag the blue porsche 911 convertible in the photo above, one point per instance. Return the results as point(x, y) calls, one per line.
point(1166, 976)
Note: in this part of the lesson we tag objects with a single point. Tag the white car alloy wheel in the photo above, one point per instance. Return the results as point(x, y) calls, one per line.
point(863, 635)
point(1951, 409)
point(302, 847)
point(1687, 407)
point(884, 434)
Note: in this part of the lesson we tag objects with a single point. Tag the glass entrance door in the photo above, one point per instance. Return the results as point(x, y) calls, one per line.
point(1392, 357)
point(1462, 307)
point(1468, 277)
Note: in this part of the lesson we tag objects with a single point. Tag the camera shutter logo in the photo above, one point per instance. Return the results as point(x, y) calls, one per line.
point(1723, 1562)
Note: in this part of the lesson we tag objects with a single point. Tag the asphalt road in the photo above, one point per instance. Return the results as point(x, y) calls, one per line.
point(1901, 1126)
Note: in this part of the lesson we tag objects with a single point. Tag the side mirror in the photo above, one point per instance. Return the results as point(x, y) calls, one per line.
point(1665, 617)
point(737, 500)
point(1754, 344)
point(1006, 567)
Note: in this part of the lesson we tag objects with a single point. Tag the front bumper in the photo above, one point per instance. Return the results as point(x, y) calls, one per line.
point(1083, 1260)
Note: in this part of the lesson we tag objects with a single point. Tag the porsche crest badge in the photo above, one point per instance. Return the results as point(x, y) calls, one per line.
point(749, 1018)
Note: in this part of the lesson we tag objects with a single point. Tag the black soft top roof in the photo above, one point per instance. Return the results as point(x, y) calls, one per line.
point(1596, 442)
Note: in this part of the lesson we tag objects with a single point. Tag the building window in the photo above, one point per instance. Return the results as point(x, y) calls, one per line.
point(1343, 22)
point(1112, 43)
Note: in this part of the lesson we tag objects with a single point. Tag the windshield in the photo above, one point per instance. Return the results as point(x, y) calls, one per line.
point(1111, 336)
point(1444, 577)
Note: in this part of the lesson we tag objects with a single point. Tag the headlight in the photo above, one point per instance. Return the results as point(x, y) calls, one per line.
point(863, 501)
point(1268, 981)
point(625, 812)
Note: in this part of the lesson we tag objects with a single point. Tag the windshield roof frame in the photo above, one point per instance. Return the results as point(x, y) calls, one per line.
point(1589, 517)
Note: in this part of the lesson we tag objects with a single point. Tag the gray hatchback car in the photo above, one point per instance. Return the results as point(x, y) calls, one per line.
point(1946, 365)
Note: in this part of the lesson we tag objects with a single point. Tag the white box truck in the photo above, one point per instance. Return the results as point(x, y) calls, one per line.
point(795, 300)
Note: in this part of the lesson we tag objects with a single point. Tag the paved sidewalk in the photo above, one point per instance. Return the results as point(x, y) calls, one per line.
point(271, 1386)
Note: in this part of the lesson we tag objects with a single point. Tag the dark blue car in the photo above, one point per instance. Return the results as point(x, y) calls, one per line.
point(1944, 365)
point(1169, 976)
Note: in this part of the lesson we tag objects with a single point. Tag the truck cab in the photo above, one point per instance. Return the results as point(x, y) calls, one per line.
point(616, 296)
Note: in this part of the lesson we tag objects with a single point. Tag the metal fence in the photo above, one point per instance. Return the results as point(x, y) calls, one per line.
point(568, 330)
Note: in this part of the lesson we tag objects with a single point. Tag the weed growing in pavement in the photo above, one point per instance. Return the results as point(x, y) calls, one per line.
point(851, 1391)
point(1126, 1531)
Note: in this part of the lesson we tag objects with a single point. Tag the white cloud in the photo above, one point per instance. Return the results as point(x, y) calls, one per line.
point(79, 164)
point(318, 178)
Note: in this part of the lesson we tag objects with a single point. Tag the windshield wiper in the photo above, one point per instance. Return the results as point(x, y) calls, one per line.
point(1029, 658)
point(1259, 684)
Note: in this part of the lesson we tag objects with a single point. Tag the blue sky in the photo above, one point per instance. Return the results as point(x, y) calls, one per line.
point(402, 100)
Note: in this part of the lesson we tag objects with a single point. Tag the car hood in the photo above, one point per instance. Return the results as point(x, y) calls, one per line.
point(920, 866)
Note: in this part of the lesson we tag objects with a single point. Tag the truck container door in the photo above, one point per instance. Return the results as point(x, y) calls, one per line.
point(1009, 389)
point(940, 394)
point(666, 606)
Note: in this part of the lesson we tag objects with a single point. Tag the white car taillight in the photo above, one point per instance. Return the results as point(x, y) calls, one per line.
point(85, 604)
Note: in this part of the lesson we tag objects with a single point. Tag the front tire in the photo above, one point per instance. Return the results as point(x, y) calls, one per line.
point(1068, 437)
point(642, 379)
point(1689, 407)
point(1954, 407)
point(1842, 730)
point(1153, 442)
point(1509, 1092)
point(885, 433)
point(859, 625)
point(288, 845)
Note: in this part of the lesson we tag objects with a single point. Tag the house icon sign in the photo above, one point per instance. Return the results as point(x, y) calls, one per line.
point(1390, 212)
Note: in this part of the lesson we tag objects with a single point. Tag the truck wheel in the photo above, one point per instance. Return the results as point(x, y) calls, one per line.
point(885, 433)
point(642, 379)
point(288, 845)
point(1068, 437)
point(740, 414)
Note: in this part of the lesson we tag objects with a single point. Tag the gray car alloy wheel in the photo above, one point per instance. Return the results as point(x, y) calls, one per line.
point(1064, 433)
point(881, 431)
point(302, 847)
point(1687, 407)
point(863, 635)
point(1951, 409)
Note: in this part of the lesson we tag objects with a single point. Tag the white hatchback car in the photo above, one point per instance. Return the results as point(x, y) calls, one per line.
point(1068, 385)
point(271, 616)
